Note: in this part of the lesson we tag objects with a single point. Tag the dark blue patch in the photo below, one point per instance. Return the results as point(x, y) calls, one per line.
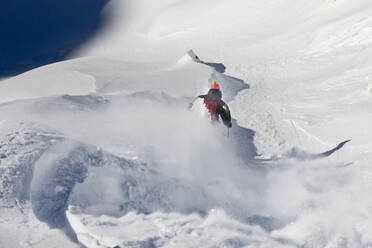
point(39, 32)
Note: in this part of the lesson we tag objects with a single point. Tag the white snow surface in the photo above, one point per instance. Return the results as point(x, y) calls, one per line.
point(103, 148)
point(47, 81)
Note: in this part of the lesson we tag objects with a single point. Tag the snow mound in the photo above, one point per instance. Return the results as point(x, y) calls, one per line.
point(52, 82)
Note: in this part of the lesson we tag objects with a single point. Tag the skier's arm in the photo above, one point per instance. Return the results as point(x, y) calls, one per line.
point(192, 103)
point(225, 114)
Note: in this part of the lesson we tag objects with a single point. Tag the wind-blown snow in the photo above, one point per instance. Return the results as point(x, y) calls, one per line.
point(117, 159)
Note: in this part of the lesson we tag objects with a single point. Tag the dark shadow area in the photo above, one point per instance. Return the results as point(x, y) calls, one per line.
point(330, 152)
point(50, 195)
point(39, 32)
point(243, 140)
point(219, 67)
point(303, 155)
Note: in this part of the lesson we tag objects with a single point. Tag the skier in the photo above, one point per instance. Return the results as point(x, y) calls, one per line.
point(216, 107)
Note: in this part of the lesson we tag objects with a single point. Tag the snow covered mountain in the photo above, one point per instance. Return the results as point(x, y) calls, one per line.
point(102, 151)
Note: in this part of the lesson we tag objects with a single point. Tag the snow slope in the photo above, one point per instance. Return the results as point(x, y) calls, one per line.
point(104, 148)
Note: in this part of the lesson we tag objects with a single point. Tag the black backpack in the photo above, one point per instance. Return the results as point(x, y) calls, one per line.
point(214, 96)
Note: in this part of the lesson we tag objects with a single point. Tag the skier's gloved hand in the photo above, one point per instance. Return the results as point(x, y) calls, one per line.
point(229, 125)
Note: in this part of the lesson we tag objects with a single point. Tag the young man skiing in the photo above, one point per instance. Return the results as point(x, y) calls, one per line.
point(216, 107)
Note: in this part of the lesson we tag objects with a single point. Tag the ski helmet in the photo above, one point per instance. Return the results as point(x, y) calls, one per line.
point(215, 85)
